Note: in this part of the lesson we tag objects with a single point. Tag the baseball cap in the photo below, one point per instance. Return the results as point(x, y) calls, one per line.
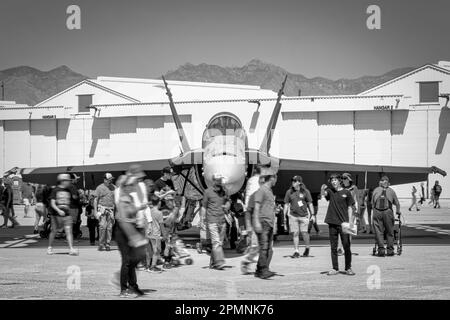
point(136, 170)
point(384, 178)
point(268, 172)
point(347, 176)
point(297, 178)
point(167, 170)
point(108, 176)
point(64, 177)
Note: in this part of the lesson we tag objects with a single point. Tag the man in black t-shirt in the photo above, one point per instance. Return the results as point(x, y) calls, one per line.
point(339, 211)
point(61, 201)
point(165, 180)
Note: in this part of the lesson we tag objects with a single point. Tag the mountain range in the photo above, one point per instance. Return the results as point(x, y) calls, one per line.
point(29, 85)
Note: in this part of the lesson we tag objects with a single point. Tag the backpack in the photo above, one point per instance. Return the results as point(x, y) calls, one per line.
point(437, 189)
point(382, 202)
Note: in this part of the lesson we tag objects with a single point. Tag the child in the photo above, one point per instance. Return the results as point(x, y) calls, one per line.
point(154, 235)
point(170, 218)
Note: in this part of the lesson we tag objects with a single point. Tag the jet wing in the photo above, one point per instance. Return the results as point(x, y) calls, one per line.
point(91, 174)
point(316, 173)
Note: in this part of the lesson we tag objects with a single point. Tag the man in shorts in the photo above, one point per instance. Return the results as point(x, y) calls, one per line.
point(60, 204)
point(298, 202)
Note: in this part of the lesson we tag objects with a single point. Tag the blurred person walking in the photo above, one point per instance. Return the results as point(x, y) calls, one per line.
point(132, 243)
point(61, 201)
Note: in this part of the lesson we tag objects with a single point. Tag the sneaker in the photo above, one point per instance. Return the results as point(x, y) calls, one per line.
point(128, 294)
point(136, 291)
point(296, 255)
point(73, 252)
point(349, 272)
point(418, 209)
point(35, 231)
point(332, 272)
point(265, 275)
point(381, 254)
point(155, 269)
point(219, 267)
point(245, 267)
point(409, 209)
point(108, 248)
point(306, 252)
point(390, 254)
point(101, 248)
point(167, 265)
point(49, 251)
point(340, 252)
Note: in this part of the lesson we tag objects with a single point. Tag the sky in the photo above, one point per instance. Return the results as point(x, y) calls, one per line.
point(138, 38)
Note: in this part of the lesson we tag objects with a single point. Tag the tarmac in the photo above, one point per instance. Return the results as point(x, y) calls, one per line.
point(421, 272)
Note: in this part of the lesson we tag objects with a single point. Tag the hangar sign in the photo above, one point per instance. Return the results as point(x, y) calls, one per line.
point(383, 108)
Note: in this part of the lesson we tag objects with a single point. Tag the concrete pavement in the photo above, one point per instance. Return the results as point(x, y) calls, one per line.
point(421, 272)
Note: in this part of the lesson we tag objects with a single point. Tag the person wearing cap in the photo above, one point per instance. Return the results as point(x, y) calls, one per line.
point(61, 201)
point(131, 241)
point(263, 220)
point(298, 205)
point(104, 211)
point(340, 210)
point(214, 204)
point(383, 198)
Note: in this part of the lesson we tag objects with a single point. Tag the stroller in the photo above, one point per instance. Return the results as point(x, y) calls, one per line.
point(177, 252)
point(397, 237)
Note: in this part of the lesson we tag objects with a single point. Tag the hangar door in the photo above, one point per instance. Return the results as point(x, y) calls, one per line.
point(43, 143)
point(336, 136)
point(373, 137)
point(17, 143)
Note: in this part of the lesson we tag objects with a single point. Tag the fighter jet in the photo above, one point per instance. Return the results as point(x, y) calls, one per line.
point(225, 151)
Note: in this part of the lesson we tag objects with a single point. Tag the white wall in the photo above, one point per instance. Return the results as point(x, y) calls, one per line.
point(373, 137)
point(298, 133)
point(336, 136)
point(43, 147)
point(2, 153)
point(17, 143)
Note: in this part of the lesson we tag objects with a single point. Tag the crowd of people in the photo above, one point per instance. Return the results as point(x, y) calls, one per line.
point(143, 217)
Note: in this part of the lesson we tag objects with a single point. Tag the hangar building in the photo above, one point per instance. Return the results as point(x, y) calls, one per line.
point(403, 122)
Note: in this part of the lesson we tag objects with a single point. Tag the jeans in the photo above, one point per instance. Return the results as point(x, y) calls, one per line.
point(129, 261)
point(153, 252)
point(106, 222)
point(217, 233)
point(383, 223)
point(265, 240)
point(336, 232)
point(92, 225)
